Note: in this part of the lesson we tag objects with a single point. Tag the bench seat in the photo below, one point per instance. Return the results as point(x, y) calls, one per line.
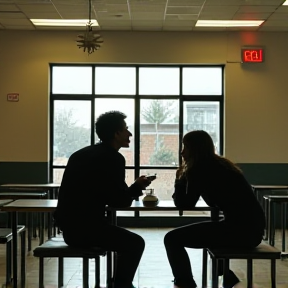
point(262, 251)
point(5, 238)
point(57, 248)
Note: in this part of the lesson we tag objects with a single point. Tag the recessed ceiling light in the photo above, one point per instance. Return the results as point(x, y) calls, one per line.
point(63, 22)
point(228, 23)
point(285, 3)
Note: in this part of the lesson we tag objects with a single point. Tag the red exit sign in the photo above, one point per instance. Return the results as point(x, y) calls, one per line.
point(252, 55)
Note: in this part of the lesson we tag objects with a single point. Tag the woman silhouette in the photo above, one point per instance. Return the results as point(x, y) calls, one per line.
point(221, 184)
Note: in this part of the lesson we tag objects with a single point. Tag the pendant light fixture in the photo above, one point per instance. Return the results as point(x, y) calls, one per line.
point(89, 41)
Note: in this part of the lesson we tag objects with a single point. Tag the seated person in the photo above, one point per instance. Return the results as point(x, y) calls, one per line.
point(95, 177)
point(221, 184)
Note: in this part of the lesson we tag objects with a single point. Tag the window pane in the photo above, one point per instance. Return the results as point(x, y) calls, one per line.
point(72, 80)
point(163, 185)
point(202, 81)
point(58, 175)
point(159, 81)
point(203, 116)
point(125, 106)
point(130, 178)
point(72, 129)
point(115, 80)
point(159, 132)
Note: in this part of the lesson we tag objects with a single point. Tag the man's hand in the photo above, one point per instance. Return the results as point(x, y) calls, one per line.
point(143, 181)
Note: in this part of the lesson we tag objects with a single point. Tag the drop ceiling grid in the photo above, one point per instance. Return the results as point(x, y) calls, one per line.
point(172, 15)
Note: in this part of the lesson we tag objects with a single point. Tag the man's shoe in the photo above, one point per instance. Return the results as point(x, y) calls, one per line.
point(230, 280)
point(191, 284)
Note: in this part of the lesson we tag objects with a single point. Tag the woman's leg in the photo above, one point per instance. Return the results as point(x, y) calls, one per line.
point(200, 235)
point(175, 241)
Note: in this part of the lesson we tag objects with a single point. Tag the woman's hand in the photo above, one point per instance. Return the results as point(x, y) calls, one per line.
point(178, 173)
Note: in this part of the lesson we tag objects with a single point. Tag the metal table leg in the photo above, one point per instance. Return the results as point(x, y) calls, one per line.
point(15, 247)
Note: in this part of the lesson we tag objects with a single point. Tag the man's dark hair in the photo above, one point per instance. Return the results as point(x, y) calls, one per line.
point(107, 124)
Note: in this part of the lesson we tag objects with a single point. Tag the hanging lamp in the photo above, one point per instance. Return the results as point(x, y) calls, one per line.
point(89, 41)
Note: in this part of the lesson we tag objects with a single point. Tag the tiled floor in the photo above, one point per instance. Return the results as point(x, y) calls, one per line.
point(153, 271)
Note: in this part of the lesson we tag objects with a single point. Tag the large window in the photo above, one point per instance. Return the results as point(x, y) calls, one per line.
point(162, 103)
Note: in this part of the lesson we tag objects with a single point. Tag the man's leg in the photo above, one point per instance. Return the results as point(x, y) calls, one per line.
point(129, 248)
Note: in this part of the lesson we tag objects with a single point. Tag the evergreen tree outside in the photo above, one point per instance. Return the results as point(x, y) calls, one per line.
point(157, 112)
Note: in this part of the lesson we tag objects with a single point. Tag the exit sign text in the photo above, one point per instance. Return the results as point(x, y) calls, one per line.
point(13, 97)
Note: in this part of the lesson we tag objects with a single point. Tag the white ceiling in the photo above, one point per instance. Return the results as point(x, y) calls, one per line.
point(145, 15)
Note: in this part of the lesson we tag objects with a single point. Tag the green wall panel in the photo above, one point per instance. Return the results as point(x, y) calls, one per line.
point(265, 173)
point(38, 172)
point(24, 172)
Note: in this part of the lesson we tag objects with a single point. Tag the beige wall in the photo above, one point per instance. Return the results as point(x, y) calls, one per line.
point(256, 102)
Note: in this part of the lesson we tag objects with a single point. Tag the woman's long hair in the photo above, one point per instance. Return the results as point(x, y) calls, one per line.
point(201, 150)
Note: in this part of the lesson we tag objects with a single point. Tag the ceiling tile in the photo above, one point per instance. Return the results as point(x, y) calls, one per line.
point(20, 27)
point(224, 2)
point(32, 1)
point(147, 2)
point(107, 23)
point(282, 9)
point(116, 2)
point(108, 16)
point(257, 9)
point(276, 23)
point(271, 28)
point(179, 18)
point(15, 22)
point(74, 15)
point(216, 16)
point(208, 29)
point(117, 9)
point(116, 28)
point(147, 8)
point(279, 16)
point(217, 9)
point(43, 15)
point(186, 2)
point(37, 8)
point(72, 8)
point(177, 28)
point(183, 10)
point(146, 23)
point(147, 16)
point(8, 7)
point(12, 15)
point(251, 16)
point(179, 23)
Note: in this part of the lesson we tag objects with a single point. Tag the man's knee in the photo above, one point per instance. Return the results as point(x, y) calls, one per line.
point(169, 238)
point(141, 243)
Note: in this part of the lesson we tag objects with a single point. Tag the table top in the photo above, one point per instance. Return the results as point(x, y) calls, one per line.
point(31, 185)
point(49, 205)
point(5, 201)
point(31, 205)
point(163, 205)
point(277, 198)
point(270, 187)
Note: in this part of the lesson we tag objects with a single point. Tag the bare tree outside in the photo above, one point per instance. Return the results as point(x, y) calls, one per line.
point(69, 135)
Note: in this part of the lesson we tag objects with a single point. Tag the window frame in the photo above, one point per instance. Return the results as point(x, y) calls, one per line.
point(137, 97)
